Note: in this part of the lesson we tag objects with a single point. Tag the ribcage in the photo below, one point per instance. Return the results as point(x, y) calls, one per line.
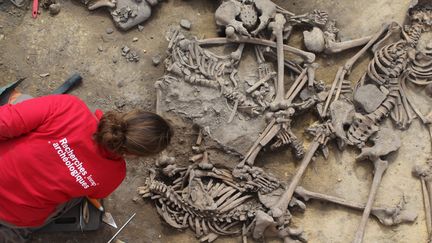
point(388, 63)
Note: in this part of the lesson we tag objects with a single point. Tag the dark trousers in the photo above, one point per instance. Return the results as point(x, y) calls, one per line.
point(14, 234)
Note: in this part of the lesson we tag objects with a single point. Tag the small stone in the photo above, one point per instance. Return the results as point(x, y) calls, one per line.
point(114, 60)
point(54, 9)
point(107, 38)
point(125, 50)
point(130, 55)
point(185, 24)
point(136, 199)
point(140, 28)
point(100, 48)
point(43, 75)
point(109, 31)
point(156, 59)
point(120, 104)
point(2, 37)
point(135, 39)
point(339, 179)
point(369, 97)
point(145, 51)
point(120, 83)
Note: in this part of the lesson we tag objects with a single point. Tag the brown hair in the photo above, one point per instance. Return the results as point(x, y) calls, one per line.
point(137, 132)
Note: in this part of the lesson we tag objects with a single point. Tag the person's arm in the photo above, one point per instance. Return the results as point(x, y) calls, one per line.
point(22, 118)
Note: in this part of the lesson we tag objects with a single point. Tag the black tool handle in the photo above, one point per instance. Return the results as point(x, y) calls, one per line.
point(72, 81)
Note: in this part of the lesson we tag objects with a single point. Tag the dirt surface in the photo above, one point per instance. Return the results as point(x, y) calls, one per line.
point(76, 41)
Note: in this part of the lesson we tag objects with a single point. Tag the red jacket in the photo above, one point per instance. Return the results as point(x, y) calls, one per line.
point(48, 156)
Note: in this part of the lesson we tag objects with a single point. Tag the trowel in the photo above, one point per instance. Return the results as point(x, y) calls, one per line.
point(108, 219)
point(6, 90)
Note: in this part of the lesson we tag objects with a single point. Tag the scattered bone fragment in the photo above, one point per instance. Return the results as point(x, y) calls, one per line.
point(311, 73)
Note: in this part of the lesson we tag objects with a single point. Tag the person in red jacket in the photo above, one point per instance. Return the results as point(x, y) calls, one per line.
point(53, 150)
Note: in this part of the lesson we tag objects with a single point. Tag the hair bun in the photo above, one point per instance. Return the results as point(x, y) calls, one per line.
point(136, 132)
point(112, 132)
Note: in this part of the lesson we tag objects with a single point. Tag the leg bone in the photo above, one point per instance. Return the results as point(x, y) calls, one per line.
point(260, 82)
point(277, 27)
point(386, 215)
point(424, 173)
point(257, 143)
point(308, 57)
point(380, 167)
point(282, 205)
point(263, 142)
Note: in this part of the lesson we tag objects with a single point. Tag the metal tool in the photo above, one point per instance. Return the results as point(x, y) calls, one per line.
point(109, 220)
point(35, 8)
point(6, 90)
point(118, 232)
point(72, 81)
point(96, 203)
